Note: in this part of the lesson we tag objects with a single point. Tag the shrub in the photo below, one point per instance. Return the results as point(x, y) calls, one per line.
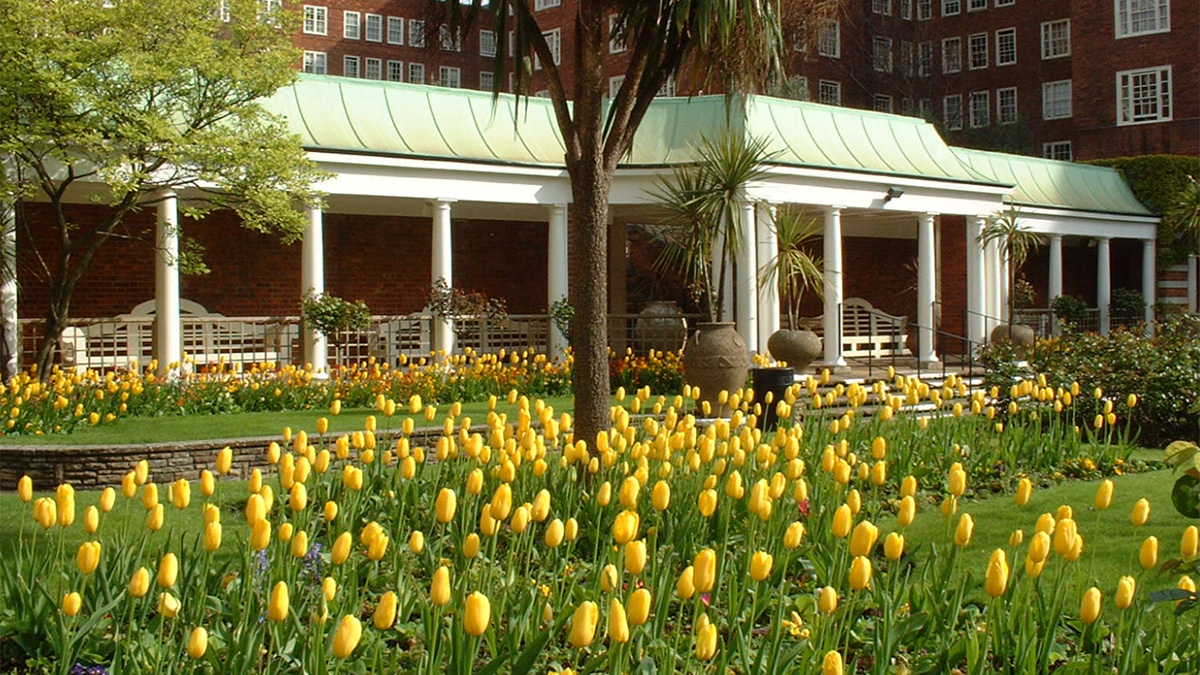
point(1069, 308)
point(1158, 181)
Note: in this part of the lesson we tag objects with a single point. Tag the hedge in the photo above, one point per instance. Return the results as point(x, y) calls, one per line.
point(1157, 181)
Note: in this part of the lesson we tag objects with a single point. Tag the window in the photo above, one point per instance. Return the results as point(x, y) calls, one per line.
point(1144, 95)
point(1006, 46)
point(616, 45)
point(925, 59)
point(1005, 3)
point(906, 106)
point(351, 25)
point(883, 103)
point(1056, 39)
point(395, 71)
point(1006, 105)
point(450, 77)
point(1056, 100)
point(487, 81)
point(350, 66)
point(224, 11)
point(416, 35)
point(614, 85)
point(829, 38)
point(798, 88)
point(487, 43)
point(981, 108)
point(668, 87)
point(952, 111)
point(1142, 17)
point(952, 55)
point(416, 72)
point(1060, 150)
point(374, 28)
point(395, 30)
point(882, 54)
point(976, 5)
point(925, 109)
point(881, 7)
point(268, 13)
point(924, 10)
point(314, 62)
point(450, 41)
point(316, 20)
point(951, 7)
point(907, 58)
point(554, 42)
point(978, 49)
point(373, 68)
point(539, 5)
point(906, 10)
point(829, 92)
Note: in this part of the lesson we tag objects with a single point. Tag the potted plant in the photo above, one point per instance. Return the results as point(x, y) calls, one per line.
point(701, 204)
point(796, 271)
point(452, 305)
point(335, 318)
point(1016, 242)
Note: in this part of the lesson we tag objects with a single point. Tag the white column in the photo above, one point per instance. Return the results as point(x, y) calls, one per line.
point(996, 283)
point(1054, 285)
point(312, 280)
point(8, 290)
point(1192, 277)
point(1149, 281)
point(167, 330)
point(926, 287)
point(1103, 281)
point(725, 290)
point(833, 288)
point(747, 281)
point(443, 268)
point(556, 270)
point(768, 294)
point(976, 282)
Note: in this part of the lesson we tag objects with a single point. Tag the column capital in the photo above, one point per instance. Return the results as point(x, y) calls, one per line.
point(1103, 239)
point(165, 193)
point(834, 208)
point(1054, 236)
point(928, 214)
point(441, 203)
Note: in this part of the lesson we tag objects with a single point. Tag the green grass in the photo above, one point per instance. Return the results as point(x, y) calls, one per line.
point(247, 425)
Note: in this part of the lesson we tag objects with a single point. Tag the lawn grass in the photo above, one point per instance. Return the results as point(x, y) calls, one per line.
point(247, 425)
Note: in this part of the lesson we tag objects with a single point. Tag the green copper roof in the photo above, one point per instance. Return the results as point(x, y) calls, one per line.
point(1056, 184)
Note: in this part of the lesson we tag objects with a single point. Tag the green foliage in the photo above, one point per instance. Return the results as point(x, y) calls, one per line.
point(1127, 306)
point(1016, 242)
point(446, 303)
point(1163, 183)
point(793, 267)
point(1069, 308)
point(330, 315)
point(561, 313)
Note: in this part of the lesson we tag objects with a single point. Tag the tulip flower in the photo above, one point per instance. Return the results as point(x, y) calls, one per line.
point(520, 519)
point(706, 642)
point(277, 608)
point(416, 542)
point(385, 612)
point(346, 637)
point(71, 603)
point(65, 503)
point(827, 601)
point(108, 498)
point(554, 533)
point(168, 605)
point(1104, 495)
point(832, 665)
point(141, 472)
point(996, 582)
point(793, 535)
point(445, 506)
point(298, 499)
point(1148, 555)
point(475, 481)
point(860, 573)
point(471, 545)
point(139, 583)
point(1189, 542)
point(1045, 523)
point(708, 502)
point(224, 460)
point(583, 624)
point(256, 509)
point(91, 519)
point(197, 642)
point(25, 488)
point(843, 520)
point(908, 487)
point(1089, 609)
point(501, 504)
point(685, 586)
point(378, 547)
point(893, 546)
point(660, 498)
point(618, 622)
point(330, 511)
point(635, 556)
point(705, 565)
point(1126, 589)
point(625, 527)
point(862, 540)
point(299, 545)
point(760, 565)
point(639, 607)
point(439, 588)
point(478, 614)
point(168, 570)
point(962, 533)
point(1140, 513)
point(1065, 534)
point(212, 536)
point(1024, 491)
point(329, 588)
point(957, 481)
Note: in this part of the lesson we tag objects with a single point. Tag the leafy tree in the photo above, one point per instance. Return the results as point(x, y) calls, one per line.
point(734, 42)
point(125, 99)
point(1016, 242)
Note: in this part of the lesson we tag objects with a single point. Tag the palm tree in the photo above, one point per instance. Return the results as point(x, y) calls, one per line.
point(793, 267)
point(1016, 242)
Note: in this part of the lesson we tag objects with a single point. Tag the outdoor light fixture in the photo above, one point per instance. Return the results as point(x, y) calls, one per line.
point(892, 193)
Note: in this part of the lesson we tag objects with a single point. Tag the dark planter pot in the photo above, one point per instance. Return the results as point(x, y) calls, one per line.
point(716, 359)
point(797, 348)
point(775, 381)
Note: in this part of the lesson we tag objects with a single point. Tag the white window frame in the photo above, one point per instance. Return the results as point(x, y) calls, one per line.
point(448, 74)
point(487, 80)
point(906, 10)
point(980, 115)
point(487, 43)
point(370, 64)
point(951, 7)
point(615, 46)
point(882, 103)
point(952, 46)
point(1123, 17)
point(1005, 3)
point(1053, 150)
point(830, 34)
point(395, 67)
point(1001, 117)
point(883, 7)
point(925, 108)
point(449, 42)
point(395, 30)
point(977, 5)
point(977, 39)
point(316, 20)
point(351, 25)
point(614, 85)
point(351, 66)
point(1126, 115)
point(1054, 47)
point(1000, 51)
point(952, 117)
point(539, 5)
point(316, 63)
point(553, 38)
point(924, 10)
point(1051, 104)
point(373, 28)
point(881, 54)
point(833, 86)
point(908, 58)
point(416, 33)
point(924, 59)
point(416, 73)
point(668, 87)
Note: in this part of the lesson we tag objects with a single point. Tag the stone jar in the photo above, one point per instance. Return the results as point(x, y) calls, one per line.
point(716, 359)
point(660, 327)
point(797, 348)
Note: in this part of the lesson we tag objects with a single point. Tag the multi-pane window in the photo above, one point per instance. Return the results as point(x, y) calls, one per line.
point(952, 111)
point(829, 38)
point(539, 5)
point(449, 76)
point(373, 68)
point(616, 44)
point(1140, 17)
point(314, 62)
point(829, 92)
point(1006, 105)
point(416, 72)
point(316, 20)
point(882, 54)
point(267, 14)
point(487, 81)
point(951, 7)
point(1056, 39)
point(882, 103)
point(450, 40)
point(1056, 100)
point(351, 25)
point(952, 55)
point(924, 10)
point(487, 43)
point(906, 106)
point(395, 35)
point(976, 5)
point(981, 108)
point(1005, 3)
point(224, 11)
point(553, 40)
point(614, 85)
point(668, 87)
point(906, 9)
point(1006, 46)
point(925, 109)
point(925, 59)
point(350, 66)
point(374, 28)
point(798, 88)
point(907, 58)
point(1060, 150)
point(395, 71)
point(1144, 95)
point(416, 36)
point(977, 48)
point(881, 7)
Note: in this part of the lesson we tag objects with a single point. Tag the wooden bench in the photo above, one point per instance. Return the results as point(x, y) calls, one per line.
point(866, 331)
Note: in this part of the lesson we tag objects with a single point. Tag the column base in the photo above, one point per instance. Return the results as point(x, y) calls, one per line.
point(931, 362)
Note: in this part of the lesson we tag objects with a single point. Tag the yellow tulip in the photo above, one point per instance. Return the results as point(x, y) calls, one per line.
point(571, 529)
point(660, 498)
point(1065, 534)
point(706, 642)
point(501, 504)
point(862, 540)
point(1089, 609)
point(997, 574)
point(793, 535)
point(471, 546)
point(962, 533)
point(630, 489)
point(129, 485)
point(88, 557)
point(260, 535)
point(1189, 542)
point(827, 602)
point(168, 570)
point(639, 607)
point(141, 472)
point(907, 511)
point(832, 665)
point(277, 608)
point(1033, 569)
point(65, 502)
point(346, 637)
point(1104, 495)
point(705, 566)
point(416, 542)
point(439, 588)
point(908, 487)
point(1140, 513)
point(71, 603)
point(378, 547)
point(760, 565)
point(554, 533)
point(168, 605)
point(893, 546)
point(385, 612)
point(212, 536)
point(957, 481)
point(625, 527)
point(1126, 589)
point(224, 460)
point(25, 488)
point(45, 512)
point(445, 506)
point(256, 509)
point(635, 556)
point(860, 573)
point(197, 642)
point(685, 586)
point(139, 583)
point(478, 614)
point(520, 519)
point(1024, 491)
point(155, 518)
point(1045, 523)
point(330, 511)
point(707, 502)
point(300, 544)
point(1148, 555)
point(475, 482)
point(329, 588)
point(1076, 549)
point(843, 520)
point(108, 498)
point(91, 519)
point(618, 622)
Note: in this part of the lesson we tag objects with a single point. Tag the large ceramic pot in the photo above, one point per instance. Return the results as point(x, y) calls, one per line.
point(716, 359)
point(1021, 336)
point(660, 327)
point(797, 348)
